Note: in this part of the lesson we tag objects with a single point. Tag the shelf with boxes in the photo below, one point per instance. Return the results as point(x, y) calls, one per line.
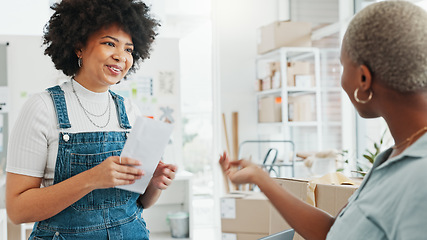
point(299, 97)
point(289, 94)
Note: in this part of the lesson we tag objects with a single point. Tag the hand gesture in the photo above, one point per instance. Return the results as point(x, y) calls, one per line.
point(115, 171)
point(163, 175)
point(240, 171)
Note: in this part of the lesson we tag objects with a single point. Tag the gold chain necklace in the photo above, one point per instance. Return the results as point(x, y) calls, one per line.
point(87, 113)
point(410, 138)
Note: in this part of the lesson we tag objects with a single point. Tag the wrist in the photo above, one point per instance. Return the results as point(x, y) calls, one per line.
point(86, 182)
point(260, 177)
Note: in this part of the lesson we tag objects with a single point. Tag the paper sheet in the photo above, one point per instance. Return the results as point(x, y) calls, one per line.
point(146, 143)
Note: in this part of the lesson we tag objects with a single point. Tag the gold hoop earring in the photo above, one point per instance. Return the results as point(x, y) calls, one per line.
point(362, 101)
point(79, 62)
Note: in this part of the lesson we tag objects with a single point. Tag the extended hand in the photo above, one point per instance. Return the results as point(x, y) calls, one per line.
point(240, 171)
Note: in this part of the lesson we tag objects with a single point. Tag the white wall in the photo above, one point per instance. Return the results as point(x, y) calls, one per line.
point(24, 17)
point(29, 70)
point(235, 33)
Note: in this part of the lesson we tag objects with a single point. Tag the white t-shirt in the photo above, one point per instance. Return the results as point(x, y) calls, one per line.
point(33, 143)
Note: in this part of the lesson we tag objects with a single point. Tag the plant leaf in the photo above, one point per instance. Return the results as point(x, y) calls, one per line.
point(371, 159)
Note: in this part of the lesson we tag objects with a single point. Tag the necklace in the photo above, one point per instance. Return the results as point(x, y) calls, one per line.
point(87, 113)
point(409, 139)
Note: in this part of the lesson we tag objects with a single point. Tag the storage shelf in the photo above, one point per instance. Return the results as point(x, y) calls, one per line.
point(270, 124)
point(302, 106)
point(290, 90)
point(301, 89)
point(303, 124)
point(332, 123)
point(331, 89)
point(269, 92)
point(294, 53)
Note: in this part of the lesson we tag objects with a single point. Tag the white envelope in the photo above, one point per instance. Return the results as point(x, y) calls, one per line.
point(146, 143)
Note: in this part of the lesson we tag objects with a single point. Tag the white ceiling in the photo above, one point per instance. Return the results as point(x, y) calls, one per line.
point(178, 17)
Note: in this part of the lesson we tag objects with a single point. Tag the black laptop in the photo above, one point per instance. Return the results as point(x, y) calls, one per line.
point(284, 235)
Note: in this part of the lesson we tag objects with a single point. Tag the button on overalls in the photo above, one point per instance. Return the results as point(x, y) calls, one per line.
point(103, 213)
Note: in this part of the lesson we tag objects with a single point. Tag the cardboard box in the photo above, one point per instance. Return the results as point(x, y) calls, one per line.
point(294, 69)
point(283, 34)
point(270, 109)
point(302, 107)
point(332, 198)
point(266, 83)
point(304, 81)
point(245, 212)
point(258, 85)
point(245, 215)
point(274, 66)
point(298, 187)
point(249, 215)
point(242, 236)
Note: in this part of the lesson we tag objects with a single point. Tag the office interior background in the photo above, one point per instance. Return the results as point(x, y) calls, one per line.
point(208, 66)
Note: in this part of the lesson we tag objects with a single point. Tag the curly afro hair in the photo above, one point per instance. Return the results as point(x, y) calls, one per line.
point(75, 20)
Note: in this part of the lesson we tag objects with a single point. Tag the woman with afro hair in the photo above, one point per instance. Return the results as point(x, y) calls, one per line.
point(63, 159)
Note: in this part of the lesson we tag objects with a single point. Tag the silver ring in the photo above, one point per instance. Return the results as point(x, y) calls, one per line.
point(120, 159)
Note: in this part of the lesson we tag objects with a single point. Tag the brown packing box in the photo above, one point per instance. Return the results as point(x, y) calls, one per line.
point(332, 198)
point(298, 187)
point(294, 69)
point(301, 107)
point(250, 214)
point(284, 34)
point(304, 81)
point(245, 212)
point(269, 110)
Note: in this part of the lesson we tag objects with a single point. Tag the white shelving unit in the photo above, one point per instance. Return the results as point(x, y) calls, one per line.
point(291, 129)
point(321, 131)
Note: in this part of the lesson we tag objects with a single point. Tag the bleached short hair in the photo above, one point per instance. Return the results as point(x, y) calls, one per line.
point(390, 38)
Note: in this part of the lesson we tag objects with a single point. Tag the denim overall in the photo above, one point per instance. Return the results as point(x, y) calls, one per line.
point(103, 213)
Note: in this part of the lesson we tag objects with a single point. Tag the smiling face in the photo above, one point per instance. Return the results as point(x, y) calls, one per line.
point(106, 58)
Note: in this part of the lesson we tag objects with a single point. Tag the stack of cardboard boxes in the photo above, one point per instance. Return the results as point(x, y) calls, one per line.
point(283, 34)
point(302, 107)
point(298, 74)
point(250, 215)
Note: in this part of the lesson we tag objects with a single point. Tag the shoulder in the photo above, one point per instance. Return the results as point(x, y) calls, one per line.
point(39, 103)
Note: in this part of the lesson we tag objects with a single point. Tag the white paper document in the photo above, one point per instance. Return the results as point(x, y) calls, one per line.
point(146, 143)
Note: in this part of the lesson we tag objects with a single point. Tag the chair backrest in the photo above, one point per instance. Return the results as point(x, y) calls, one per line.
point(270, 159)
point(269, 154)
point(284, 235)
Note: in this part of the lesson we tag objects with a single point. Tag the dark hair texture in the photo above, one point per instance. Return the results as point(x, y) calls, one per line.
point(75, 20)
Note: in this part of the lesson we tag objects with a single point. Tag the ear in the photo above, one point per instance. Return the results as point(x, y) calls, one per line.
point(78, 52)
point(365, 80)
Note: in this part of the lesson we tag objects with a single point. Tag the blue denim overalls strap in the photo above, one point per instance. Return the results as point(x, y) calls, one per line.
point(103, 213)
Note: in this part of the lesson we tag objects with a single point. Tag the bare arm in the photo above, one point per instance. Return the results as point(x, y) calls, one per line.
point(162, 178)
point(308, 221)
point(27, 202)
